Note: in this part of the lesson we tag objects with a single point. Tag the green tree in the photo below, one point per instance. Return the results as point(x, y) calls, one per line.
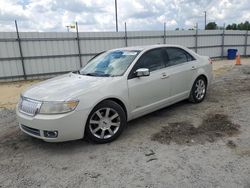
point(211, 26)
point(234, 26)
point(229, 27)
point(240, 26)
point(246, 25)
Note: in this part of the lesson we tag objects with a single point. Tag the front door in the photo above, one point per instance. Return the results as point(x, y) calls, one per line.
point(150, 92)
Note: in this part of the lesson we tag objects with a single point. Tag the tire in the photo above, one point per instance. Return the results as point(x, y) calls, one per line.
point(105, 122)
point(199, 90)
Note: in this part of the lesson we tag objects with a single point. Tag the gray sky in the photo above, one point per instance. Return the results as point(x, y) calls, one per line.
point(98, 15)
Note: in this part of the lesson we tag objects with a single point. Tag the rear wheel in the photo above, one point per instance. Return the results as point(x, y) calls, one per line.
point(199, 90)
point(106, 122)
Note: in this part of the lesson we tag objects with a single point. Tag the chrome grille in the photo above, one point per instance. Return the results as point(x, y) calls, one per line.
point(29, 106)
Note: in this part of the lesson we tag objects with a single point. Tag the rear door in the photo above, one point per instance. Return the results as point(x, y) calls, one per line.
point(181, 68)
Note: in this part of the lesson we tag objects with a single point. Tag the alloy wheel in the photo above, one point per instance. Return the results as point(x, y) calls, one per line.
point(104, 123)
point(200, 89)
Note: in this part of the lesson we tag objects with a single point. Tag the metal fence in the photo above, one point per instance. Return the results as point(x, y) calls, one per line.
point(31, 55)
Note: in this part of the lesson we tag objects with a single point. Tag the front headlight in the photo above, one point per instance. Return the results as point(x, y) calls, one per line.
point(58, 107)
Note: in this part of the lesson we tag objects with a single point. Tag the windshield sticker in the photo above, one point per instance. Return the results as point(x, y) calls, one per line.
point(129, 53)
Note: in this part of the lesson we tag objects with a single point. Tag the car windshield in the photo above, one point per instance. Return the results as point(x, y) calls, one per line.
point(111, 63)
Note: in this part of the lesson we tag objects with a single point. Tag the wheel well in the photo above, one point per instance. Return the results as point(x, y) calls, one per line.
point(203, 76)
point(118, 101)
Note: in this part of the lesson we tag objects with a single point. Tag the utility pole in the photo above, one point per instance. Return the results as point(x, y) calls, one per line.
point(126, 35)
point(205, 12)
point(116, 22)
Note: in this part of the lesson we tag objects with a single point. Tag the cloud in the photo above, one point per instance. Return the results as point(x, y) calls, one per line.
point(99, 15)
point(77, 6)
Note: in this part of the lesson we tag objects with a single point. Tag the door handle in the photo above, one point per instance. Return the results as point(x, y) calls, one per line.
point(164, 76)
point(193, 68)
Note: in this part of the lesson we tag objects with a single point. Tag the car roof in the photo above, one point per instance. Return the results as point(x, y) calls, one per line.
point(147, 47)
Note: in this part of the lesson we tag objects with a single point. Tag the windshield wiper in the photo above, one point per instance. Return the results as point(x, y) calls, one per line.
point(105, 75)
point(76, 72)
point(90, 74)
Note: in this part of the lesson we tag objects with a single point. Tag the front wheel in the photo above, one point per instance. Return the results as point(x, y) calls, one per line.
point(106, 122)
point(199, 90)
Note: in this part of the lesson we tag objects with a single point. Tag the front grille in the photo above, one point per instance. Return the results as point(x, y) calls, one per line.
point(31, 130)
point(29, 107)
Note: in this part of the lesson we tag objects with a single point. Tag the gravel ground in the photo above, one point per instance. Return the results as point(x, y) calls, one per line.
point(167, 148)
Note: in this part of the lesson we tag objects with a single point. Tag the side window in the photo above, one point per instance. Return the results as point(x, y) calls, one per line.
point(190, 58)
point(177, 56)
point(153, 60)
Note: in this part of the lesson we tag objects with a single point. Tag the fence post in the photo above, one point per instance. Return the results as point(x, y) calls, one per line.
point(126, 35)
point(20, 50)
point(223, 41)
point(78, 43)
point(196, 38)
point(245, 49)
point(164, 35)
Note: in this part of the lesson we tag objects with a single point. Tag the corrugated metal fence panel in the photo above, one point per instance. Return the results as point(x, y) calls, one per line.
point(248, 38)
point(48, 47)
point(7, 50)
point(177, 37)
point(95, 42)
point(211, 38)
point(85, 59)
point(211, 52)
point(248, 43)
point(208, 38)
point(50, 65)
point(55, 44)
point(248, 50)
point(63, 52)
point(235, 37)
point(10, 68)
point(140, 38)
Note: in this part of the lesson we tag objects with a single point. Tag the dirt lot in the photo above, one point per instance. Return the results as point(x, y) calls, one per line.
point(185, 145)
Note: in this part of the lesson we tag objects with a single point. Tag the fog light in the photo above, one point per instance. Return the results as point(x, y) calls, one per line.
point(50, 134)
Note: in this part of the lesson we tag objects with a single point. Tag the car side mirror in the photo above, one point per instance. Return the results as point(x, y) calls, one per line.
point(142, 72)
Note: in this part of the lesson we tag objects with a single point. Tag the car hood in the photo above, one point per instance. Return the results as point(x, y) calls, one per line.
point(64, 87)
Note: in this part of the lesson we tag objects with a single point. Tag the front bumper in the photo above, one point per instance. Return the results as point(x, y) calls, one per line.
point(69, 126)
